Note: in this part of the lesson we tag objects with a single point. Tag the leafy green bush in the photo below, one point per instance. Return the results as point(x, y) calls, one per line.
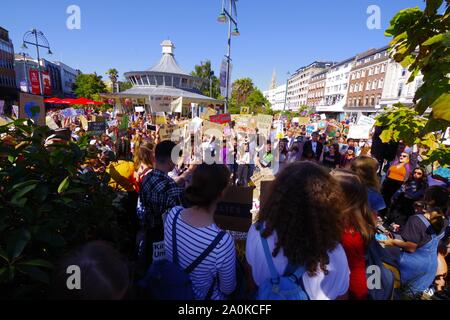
point(47, 207)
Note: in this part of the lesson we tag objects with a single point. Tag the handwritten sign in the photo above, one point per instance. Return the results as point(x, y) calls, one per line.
point(264, 124)
point(97, 127)
point(161, 118)
point(213, 129)
point(366, 121)
point(209, 112)
point(359, 132)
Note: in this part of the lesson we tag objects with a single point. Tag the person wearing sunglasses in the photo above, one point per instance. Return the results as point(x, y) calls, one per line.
point(397, 174)
point(403, 200)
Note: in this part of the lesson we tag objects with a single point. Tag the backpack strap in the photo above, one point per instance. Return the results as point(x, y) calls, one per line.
point(205, 253)
point(273, 271)
point(174, 236)
point(296, 273)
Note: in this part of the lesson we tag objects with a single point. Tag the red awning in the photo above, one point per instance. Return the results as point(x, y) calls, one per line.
point(52, 100)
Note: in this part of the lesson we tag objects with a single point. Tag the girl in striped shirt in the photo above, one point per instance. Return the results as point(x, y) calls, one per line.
point(215, 277)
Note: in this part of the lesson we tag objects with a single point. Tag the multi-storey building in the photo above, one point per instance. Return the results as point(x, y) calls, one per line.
point(336, 87)
point(367, 81)
point(8, 87)
point(316, 89)
point(68, 78)
point(297, 93)
point(276, 97)
point(396, 87)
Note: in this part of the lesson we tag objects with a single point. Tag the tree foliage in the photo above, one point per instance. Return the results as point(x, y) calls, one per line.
point(421, 43)
point(205, 72)
point(245, 94)
point(47, 207)
point(89, 86)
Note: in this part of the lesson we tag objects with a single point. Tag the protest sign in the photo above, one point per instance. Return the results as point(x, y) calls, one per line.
point(195, 125)
point(359, 132)
point(97, 127)
point(323, 117)
point(213, 129)
point(264, 124)
point(32, 107)
point(169, 132)
point(311, 128)
point(112, 123)
point(84, 122)
point(366, 121)
point(322, 125)
point(160, 118)
point(234, 212)
point(51, 123)
point(245, 110)
point(208, 113)
point(332, 130)
point(139, 109)
point(221, 118)
point(265, 174)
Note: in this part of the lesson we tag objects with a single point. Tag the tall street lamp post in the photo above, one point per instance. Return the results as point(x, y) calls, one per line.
point(223, 18)
point(37, 38)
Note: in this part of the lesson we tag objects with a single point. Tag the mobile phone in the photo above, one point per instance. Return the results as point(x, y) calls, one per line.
point(151, 127)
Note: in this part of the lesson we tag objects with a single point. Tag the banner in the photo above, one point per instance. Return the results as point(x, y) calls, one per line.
point(359, 132)
point(34, 79)
point(32, 107)
point(264, 124)
point(47, 83)
point(221, 118)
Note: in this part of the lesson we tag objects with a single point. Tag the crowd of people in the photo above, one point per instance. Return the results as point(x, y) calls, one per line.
point(334, 202)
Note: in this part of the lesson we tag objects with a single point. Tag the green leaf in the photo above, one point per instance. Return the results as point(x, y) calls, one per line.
point(21, 193)
point(63, 186)
point(17, 242)
point(433, 40)
point(386, 136)
point(37, 263)
point(3, 255)
point(35, 273)
point(441, 107)
point(11, 159)
point(24, 184)
point(20, 203)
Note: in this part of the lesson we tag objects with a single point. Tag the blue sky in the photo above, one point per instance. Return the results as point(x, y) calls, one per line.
point(282, 35)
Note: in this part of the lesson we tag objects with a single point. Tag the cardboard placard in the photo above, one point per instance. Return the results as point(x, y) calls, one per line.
point(161, 118)
point(209, 112)
point(84, 122)
point(51, 123)
point(234, 212)
point(170, 132)
point(366, 121)
point(264, 124)
point(213, 129)
point(32, 107)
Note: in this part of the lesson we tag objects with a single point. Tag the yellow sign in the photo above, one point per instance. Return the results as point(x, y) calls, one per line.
point(208, 113)
point(84, 122)
point(161, 119)
point(245, 110)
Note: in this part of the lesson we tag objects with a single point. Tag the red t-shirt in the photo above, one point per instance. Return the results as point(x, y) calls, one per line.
point(354, 247)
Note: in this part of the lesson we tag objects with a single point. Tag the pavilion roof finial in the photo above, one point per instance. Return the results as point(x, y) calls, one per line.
point(167, 47)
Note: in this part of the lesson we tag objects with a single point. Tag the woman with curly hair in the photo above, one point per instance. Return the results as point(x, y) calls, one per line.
point(301, 222)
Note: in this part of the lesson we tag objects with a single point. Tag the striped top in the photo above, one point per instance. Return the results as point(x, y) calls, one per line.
point(192, 242)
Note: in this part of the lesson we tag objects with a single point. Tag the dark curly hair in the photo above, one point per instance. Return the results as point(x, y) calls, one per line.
point(304, 208)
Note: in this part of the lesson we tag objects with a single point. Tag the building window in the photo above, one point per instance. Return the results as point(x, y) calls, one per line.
point(377, 70)
point(371, 72)
point(369, 83)
point(372, 101)
point(363, 73)
point(361, 86)
point(367, 101)
point(374, 86)
point(380, 84)
point(358, 75)
point(159, 80)
point(383, 68)
point(400, 90)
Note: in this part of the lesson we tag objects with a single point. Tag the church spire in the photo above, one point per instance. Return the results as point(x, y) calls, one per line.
point(273, 83)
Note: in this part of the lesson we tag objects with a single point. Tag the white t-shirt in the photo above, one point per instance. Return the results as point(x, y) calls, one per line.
point(320, 287)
